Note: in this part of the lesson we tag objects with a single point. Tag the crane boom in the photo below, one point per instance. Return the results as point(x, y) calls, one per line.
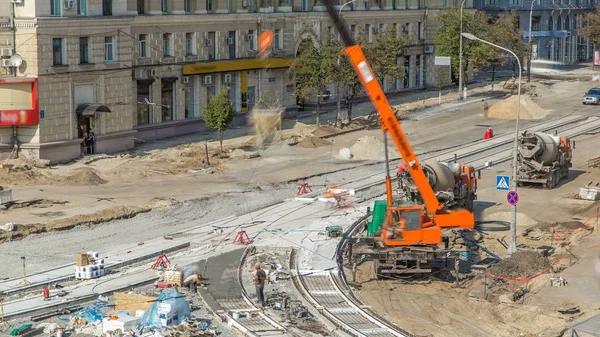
point(389, 122)
point(415, 225)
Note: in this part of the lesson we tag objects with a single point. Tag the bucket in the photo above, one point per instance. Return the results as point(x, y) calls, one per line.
point(60, 332)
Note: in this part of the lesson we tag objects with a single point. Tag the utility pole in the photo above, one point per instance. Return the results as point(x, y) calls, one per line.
point(13, 30)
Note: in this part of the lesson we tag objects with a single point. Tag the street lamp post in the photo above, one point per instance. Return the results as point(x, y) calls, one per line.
point(460, 55)
point(512, 247)
point(347, 3)
point(529, 57)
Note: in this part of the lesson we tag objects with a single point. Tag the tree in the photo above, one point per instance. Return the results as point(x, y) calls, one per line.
point(383, 54)
point(313, 69)
point(591, 27)
point(475, 53)
point(501, 30)
point(218, 114)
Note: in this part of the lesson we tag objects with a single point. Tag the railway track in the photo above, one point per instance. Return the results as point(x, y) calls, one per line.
point(329, 293)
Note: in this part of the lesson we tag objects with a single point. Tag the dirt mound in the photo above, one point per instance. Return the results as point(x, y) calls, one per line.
point(325, 131)
point(85, 176)
point(312, 142)
point(507, 109)
point(548, 227)
point(523, 264)
point(243, 154)
point(370, 148)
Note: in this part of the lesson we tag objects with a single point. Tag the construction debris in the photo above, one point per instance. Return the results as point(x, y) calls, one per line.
point(557, 281)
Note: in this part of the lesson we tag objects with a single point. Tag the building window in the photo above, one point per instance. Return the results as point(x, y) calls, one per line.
point(212, 49)
point(58, 52)
point(421, 31)
point(190, 44)
point(418, 66)
point(406, 71)
point(81, 7)
point(252, 40)
point(106, 7)
point(229, 6)
point(535, 23)
point(109, 49)
point(368, 33)
point(84, 50)
point(143, 96)
point(164, 6)
point(187, 6)
point(515, 2)
point(550, 23)
point(167, 100)
point(209, 6)
point(353, 30)
point(278, 39)
point(231, 44)
point(190, 106)
point(141, 6)
point(142, 46)
point(56, 7)
point(167, 44)
point(491, 2)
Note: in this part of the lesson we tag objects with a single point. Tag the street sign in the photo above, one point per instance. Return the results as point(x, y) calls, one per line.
point(441, 61)
point(512, 197)
point(502, 183)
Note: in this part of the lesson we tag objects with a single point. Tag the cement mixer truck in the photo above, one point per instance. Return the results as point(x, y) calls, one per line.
point(543, 158)
point(454, 184)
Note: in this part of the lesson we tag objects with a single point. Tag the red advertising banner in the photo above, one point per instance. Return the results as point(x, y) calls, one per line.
point(597, 57)
point(21, 95)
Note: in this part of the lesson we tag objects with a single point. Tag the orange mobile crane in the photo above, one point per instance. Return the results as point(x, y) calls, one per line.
point(416, 230)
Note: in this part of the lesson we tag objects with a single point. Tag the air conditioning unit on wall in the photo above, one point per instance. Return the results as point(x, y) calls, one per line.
point(17, 1)
point(69, 4)
point(429, 49)
point(6, 52)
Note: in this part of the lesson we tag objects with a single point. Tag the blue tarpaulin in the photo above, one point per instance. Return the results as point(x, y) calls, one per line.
point(169, 308)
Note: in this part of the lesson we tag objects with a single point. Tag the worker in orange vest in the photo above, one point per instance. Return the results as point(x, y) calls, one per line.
point(46, 293)
point(489, 133)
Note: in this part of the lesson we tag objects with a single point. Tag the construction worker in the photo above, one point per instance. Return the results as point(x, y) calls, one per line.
point(191, 282)
point(484, 106)
point(259, 281)
point(489, 133)
point(46, 293)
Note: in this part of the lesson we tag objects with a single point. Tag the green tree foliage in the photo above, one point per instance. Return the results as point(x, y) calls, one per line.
point(219, 114)
point(591, 27)
point(382, 55)
point(313, 69)
point(500, 30)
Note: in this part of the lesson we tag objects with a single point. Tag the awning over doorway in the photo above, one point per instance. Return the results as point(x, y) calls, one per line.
point(91, 109)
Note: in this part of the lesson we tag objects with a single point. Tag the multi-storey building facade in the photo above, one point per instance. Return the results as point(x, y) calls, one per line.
point(554, 25)
point(143, 69)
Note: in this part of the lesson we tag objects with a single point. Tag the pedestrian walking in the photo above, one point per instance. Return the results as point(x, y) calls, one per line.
point(259, 281)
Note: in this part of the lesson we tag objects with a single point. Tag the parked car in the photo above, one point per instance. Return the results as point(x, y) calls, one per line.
point(592, 96)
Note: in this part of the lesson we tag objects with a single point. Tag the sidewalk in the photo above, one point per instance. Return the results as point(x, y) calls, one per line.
point(580, 71)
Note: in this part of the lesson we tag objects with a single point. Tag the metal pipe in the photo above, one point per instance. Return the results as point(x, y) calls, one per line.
point(13, 30)
point(512, 247)
point(529, 57)
point(460, 55)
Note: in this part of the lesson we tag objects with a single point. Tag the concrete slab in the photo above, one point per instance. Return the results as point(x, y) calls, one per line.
point(111, 260)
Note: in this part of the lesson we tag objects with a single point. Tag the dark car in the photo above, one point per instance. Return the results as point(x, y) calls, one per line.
point(592, 96)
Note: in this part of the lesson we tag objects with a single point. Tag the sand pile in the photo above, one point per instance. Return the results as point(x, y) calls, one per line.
point(312, 142)
point(242, 154)
point(523, 264)
point(370, 148)
point(84, 176)
point(507, 109)
point(325, 131)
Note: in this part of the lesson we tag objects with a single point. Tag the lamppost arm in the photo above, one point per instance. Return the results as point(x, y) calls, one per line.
point(512, 247)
